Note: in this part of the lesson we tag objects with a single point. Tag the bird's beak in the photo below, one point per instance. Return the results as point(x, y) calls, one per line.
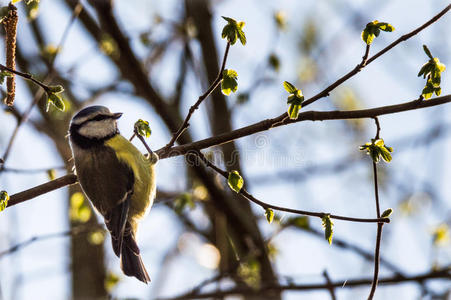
point(117, 115)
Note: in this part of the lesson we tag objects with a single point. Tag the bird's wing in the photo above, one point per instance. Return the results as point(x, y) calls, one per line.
point(116, 220)
point(108, 183)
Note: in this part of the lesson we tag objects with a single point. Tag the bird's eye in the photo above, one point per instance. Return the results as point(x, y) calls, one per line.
point(100, 118)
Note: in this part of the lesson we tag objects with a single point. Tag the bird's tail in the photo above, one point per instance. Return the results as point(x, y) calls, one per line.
point(131, 262)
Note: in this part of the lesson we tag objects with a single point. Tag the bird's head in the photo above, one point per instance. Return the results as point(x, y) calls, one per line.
point(94, 123)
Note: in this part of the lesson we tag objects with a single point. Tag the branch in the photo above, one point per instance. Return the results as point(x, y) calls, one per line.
point(265, 205)
point(201, 98)
point(42, 189)
point(304, 116)
point(443, 273)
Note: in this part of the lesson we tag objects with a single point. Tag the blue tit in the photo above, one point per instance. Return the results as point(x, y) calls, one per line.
point(116, 177)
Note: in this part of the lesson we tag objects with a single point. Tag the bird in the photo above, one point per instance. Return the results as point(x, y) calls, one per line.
point(117, 178)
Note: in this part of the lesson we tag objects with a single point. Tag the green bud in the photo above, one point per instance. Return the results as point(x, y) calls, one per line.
point(269, 214)
point(387, 213)
point(235, 181)
point(4, 198)
point(142, 128)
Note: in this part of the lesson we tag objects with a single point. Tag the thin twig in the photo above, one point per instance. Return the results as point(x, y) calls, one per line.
point(265, 205)
point(379, 226)
point(376, 262)
point(378, 127)
point(141, 138)
point(201, 98)
point(25, 76)
point(365, 56)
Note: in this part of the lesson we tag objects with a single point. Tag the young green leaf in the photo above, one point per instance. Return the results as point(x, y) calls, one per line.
point(56, 89)
point(377, 150)
point(143, 128)
point(373, 29)
point(233, 31)
point(56, 100)
point(387, 213)
point(229, 82)
point(328, 227)
point(293, 111)
point(429, 90)
point(4, 198)
point(289, 87)
point(269, 214)
point(428, 53)
point(235, 181)
point(295, 99)
point(432, 70)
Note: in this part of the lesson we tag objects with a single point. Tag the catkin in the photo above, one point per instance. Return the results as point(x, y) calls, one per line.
point(10, 24)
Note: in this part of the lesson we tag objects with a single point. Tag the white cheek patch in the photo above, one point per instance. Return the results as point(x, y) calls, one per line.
point(98, 129)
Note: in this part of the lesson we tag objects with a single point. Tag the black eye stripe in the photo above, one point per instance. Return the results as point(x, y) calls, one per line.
point(100, 118)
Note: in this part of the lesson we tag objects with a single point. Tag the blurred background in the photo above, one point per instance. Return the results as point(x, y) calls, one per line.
point(151, 60)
